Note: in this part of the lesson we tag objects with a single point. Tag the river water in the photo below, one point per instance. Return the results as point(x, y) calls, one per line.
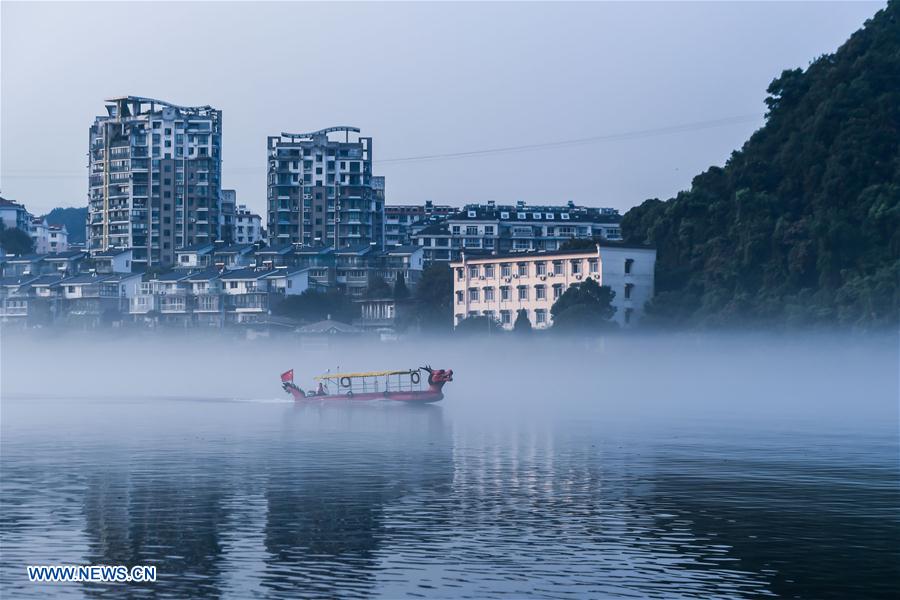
point(486, 494)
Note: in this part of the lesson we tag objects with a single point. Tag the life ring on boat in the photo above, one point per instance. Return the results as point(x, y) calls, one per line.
point(350, 394)
point(414, 377)
point(345, 382)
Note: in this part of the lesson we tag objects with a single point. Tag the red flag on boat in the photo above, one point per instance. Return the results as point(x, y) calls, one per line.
point(287, 376)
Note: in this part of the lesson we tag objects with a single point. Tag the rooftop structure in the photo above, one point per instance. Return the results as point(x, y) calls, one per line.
point(321, 190)
point(154, 178)
point(491, 228)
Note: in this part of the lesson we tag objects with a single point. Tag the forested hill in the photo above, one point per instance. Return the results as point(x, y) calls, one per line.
point(73, 218)
point(802, 225)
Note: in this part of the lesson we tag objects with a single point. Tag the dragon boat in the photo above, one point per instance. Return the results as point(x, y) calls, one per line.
point(404, 385)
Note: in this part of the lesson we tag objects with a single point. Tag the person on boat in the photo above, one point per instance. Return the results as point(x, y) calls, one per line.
point(320, 390)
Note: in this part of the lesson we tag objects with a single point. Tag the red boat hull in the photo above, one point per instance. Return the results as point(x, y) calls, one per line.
point(429, 395)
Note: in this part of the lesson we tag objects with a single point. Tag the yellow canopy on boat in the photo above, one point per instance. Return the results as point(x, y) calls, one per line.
point(369, 374)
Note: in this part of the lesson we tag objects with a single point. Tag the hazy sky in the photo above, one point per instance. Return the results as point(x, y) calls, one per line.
point(421, 79)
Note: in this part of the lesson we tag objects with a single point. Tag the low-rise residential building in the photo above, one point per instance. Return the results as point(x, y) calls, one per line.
point(13, 215)
point(14, 299)
point(196, 256)
point(282, 255)
point(354, 269)
point(113, 260)
point(68, 263)
point(247, 226)
point(48, 238)
point(496, 229)
point(92, 298)
point(400, 220)
point(226, 216)
point(27, 264)
point(499, 286)
point(406, 261)
point(235, 256)
point(322, 262)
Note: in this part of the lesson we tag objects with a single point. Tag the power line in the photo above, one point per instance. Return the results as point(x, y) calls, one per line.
point(595, 139)
point(627, 135)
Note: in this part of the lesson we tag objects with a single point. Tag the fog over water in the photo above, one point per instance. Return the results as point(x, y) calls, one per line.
point(695, 466)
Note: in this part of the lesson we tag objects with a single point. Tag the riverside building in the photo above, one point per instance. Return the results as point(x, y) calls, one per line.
point(154, 178)
point(496, 229)
point(499, 286)
point(321, 190)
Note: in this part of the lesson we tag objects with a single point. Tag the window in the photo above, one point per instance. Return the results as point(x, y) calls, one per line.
point(540, 268)
point(540, 292)
point(473, 272)
point(576, 267)
point(523, 292)
point(536, 216)
point(459, 297)
point(557, 267)
point(564, 216)
point(488, 294)
point(504, 215)
point(593, 265)
point(488, 230)
point(504, 293)
point(504, 317)
point(232, 285)
point(455, 230)
point(505, 270)
point(549, 216)
point(459, 273)
point(540, 316)
point(629, 263)
point(489, 271)
point(557, 291)
point(471, 214)
point(521, 216)
point(473, 294)
point(522, 269)
point(471, 230)
point(628, 288)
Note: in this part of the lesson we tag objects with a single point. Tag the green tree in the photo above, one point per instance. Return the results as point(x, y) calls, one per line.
point(587, 293)
point(522, 324)
point(801, 226)
point(432, 306)
point(579, 244)
point(15, 241)
point(479, 325)
point(584, 307)
point(313, 306)
point(401, 292)
point(73, 218)
point(378, 288)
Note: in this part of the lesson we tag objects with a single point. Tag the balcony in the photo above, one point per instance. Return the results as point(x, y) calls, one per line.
point(208, 303)
point(173, 304)
point(142, 304)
